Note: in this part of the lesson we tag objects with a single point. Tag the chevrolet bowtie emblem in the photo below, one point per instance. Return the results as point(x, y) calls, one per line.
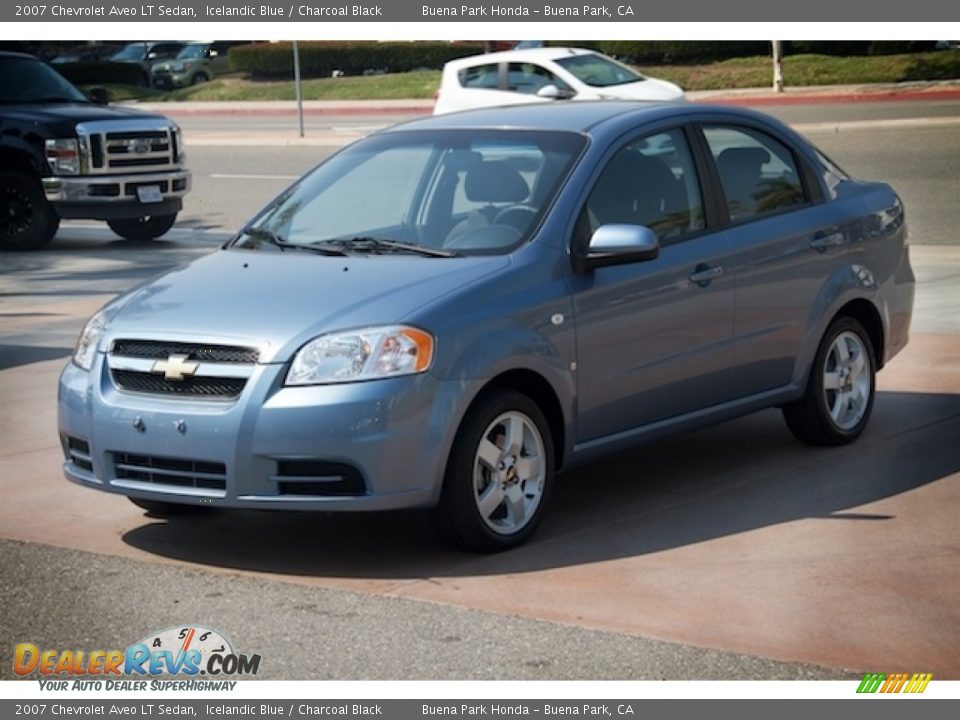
point(175, 367)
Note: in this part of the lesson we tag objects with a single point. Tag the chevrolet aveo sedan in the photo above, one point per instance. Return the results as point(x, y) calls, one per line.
point(449, 312)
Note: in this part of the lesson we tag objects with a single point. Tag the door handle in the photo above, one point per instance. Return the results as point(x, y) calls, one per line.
point(824, 241)
point(703, 274)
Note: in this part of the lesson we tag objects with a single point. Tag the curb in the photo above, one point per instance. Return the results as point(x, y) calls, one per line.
point(344, 109)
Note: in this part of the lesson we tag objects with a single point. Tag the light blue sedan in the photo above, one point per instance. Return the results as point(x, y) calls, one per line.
point(449, 312)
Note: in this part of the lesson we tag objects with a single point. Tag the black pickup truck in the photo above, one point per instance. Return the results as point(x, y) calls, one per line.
point(62, 155)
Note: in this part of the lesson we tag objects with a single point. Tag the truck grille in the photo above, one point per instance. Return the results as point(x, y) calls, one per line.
point(178, 472)
point(135, 145)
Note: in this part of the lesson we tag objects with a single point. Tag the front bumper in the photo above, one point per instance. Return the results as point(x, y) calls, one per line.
point(107, 197)
point(265, 448)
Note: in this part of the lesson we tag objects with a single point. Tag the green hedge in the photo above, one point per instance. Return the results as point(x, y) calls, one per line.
point(100, 73)
point(320, 59)
point(669, 52)
point(680, 52)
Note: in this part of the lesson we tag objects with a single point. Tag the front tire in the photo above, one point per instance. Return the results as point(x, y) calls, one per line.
point(499, 474)
point(27, 220)
point(145, 228)
point(840, 392)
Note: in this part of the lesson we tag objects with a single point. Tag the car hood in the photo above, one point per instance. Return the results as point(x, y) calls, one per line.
point(649, 89)
point(277, 301)
point(61, 118)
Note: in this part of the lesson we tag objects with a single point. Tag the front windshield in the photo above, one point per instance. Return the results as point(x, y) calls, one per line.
point(27, 80)
point(598, 71)
point(192, 52)
point(133, 51)
point(463, 192)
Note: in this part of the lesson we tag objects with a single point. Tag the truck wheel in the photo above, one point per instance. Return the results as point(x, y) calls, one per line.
point(145, 228)
point(839, 397)
point(27, 220)
point(499, 474)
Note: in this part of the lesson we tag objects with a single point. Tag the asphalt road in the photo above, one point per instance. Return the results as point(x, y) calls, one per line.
point(734, 538)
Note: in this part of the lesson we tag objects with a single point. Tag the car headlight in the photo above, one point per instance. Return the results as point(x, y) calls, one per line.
point(64, 156)
point(88, 341)
point(179, 67)
point(365, 354)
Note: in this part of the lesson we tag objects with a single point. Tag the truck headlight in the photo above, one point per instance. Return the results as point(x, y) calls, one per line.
point(88, 341)
point(178, 154)
point(63, 155)
point(365, 354)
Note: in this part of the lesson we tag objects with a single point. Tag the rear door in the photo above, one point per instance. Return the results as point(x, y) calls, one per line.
point(784, 241)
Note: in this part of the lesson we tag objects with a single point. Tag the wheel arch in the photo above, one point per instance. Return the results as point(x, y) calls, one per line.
point(537, 388)
point(866, 313)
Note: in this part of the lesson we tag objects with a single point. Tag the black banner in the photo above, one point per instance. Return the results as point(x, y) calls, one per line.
point(534, 11)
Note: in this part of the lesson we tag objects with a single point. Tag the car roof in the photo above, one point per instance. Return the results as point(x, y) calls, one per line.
point(570, 116)
point(596, 118)
point(525, 55)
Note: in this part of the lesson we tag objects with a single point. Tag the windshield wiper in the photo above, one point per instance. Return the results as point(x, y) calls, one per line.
point(375, 245)
point(277, 240)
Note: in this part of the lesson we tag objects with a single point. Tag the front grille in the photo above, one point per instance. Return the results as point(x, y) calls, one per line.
point(133, 381)
point(318, 478)
point(140, 145)
point(78, 452)
point(179, 472)
point(161, 350)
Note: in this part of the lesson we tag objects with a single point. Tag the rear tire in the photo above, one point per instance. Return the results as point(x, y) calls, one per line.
point(162, 509)
point(145, 228)
point(27, 220)
point(499, 474)
point(840, 392)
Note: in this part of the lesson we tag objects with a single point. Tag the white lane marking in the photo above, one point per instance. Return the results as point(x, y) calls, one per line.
point(879, 124)
point(232, 176)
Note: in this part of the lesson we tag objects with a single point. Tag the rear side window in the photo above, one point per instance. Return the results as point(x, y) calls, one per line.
point(484, 77)
point(758, 172)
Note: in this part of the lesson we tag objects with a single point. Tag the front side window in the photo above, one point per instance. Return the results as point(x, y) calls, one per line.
point(462, 191)
point(598, 71)
point(651, 182)
point(758, 173)
point(484, 77)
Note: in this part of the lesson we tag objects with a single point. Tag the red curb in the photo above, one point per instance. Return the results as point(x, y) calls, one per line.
point(173, 110)
point(892, 95)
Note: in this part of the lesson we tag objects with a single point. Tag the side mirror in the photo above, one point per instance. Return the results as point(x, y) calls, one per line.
point(151, 56)
point(98, 95)
point(213, 54)
point(618, 244)
point(552, 92)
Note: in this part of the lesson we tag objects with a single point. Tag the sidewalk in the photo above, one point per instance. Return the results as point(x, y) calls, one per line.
point(942, 90)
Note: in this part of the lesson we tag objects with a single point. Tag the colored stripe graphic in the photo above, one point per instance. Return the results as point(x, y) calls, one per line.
point(894, 683)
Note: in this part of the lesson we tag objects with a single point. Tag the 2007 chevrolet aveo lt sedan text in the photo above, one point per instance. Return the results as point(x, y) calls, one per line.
point(448, 312)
